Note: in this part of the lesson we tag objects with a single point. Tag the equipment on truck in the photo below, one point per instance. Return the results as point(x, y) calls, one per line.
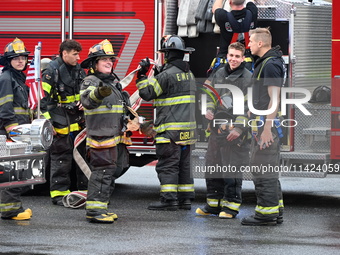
point(307, 54)
point(21, 156)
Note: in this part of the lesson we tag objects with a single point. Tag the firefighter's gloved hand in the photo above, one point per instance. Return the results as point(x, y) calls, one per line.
point(146, 128)
point(104, 90)
point(144, 67)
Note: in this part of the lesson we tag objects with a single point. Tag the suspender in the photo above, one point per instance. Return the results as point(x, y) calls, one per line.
point(262, 65)
point(240, 27)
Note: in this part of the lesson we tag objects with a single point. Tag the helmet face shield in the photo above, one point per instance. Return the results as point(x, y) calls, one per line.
point(95, 48)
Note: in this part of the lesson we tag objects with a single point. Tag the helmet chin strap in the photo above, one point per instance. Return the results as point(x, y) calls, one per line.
point(92, 66)
point(171, 55)
point(166, 56)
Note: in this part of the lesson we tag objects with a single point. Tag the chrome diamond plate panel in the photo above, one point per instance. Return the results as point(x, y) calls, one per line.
point(3, 148)
point(312, 132)
point(273, 9)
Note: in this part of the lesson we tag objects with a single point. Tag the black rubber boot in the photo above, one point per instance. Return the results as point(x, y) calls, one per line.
point(185, 204)
point(252, 221)
point(279, 219)
point(169, 205)
point(58, 200)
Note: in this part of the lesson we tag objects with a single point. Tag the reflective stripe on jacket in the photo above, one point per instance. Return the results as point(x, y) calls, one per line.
point(13, 101)
point(103, 115)
point(61, 85)
point(173, 91)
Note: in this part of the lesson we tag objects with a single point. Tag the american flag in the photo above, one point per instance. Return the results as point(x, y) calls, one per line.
point(33, 85)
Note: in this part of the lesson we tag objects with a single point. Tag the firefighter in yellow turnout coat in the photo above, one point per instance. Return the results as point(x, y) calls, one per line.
point(173, 90)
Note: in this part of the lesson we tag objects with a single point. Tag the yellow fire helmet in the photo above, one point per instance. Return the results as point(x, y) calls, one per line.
point(14, 49)
point(104, 48)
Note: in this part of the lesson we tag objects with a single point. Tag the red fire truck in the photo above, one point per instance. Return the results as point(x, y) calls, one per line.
point(335, 134)
point(303, 29)
point(132, 27)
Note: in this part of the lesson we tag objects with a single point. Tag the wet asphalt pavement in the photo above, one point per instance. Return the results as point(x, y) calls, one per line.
point(311, 223)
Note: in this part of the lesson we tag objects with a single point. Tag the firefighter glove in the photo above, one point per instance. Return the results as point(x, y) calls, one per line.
point(144, 67)
point(146, 128)
point(104, 90)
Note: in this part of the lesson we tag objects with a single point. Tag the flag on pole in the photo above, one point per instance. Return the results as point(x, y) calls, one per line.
point(33, 85)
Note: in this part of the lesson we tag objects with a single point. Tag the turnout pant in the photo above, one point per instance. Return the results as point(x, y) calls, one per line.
point(224, 190)
point(266, 179)
point(174, 172)
point(100, 186)
point(61, 156)
point(10, 204)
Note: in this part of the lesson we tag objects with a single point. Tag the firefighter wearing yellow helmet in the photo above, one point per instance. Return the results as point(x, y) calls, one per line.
point(14, 111)
point(105, 105)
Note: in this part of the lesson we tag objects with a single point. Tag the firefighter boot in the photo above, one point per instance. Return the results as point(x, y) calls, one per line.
point(102, 218)
point(252, 221)
point(225, 215)
point(113, 215)
point(208, 210)
point(164, 205)
point(58, 200)
point(185, 204)
point(25, 215)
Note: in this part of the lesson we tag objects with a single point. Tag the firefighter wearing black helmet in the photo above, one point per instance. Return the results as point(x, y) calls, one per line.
point(14, 111)
point(105, 106)
point(61, 83)
point(173, 91)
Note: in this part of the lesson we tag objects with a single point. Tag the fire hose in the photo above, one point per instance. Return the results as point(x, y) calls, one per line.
point(74, 198)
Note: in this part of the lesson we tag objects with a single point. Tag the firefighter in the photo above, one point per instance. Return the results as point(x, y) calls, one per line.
point(173, 91)
point(228, 144)
point(61, 83)
point(269, 77)
point(106, 108)
point(234, 26)
point(14, 111)
point(246, 17)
